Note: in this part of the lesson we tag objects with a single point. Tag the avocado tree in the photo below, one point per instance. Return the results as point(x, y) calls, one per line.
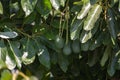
point(59, 39)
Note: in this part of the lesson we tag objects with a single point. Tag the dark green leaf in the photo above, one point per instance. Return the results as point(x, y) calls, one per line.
point(93, 1)
point(113, 2)
point(111, 66)
point(63, 62)
point(54, 57)
point(111, 23)
point(105, 55)
point(30, 18)
point(93, 58)
point(44, 56)
point(43, 7)
point(85, 46)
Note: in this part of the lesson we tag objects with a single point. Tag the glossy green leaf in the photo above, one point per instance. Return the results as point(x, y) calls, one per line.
point(8, 35)
point(84, 11)
point(63, 62)
point(75, 29)
point(85, 36)
point(43, 7)
point(30, 18)
point(16, 52)
point(29, 51)
point(10, 60)
point(105, 55)
point(6, 75)
point(111, 66)
point(28, 6)
point(111, 23)
point(92, 17)
point(44, 56)
point(55, 4)
point(1, 8)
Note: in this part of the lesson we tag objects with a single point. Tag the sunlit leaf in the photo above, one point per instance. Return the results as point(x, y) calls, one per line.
point(10, 60)
point(84, 11)
point(2, 64)
point(55, 4)
point(28, 55)
point(6, 75)
point(7, 35)
point(92, 17)
point(1, 8)
point(75, 29)
point(85, 36)
point(16, 52)
point(28, 6)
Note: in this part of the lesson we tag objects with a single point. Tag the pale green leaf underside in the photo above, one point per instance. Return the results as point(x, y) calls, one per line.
point(7, 35)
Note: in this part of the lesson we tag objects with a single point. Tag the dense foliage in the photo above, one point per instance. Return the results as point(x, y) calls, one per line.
point(59, 39)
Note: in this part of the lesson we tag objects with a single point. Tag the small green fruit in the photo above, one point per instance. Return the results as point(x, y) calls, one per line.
point(59, 42)
point(67, 49)
point(76, 46)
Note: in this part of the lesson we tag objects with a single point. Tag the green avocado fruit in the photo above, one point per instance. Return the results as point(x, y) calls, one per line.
point(59, 42)
point(76, 46)
point(67, 49)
